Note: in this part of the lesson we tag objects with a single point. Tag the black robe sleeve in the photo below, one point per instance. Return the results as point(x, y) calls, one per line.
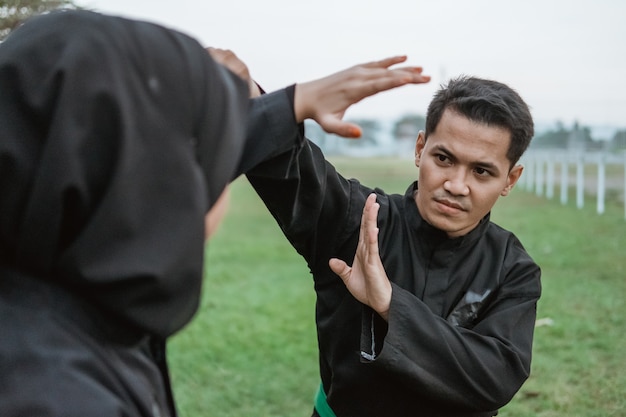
point(478, 368)
point(305, 196)
point(272, 129)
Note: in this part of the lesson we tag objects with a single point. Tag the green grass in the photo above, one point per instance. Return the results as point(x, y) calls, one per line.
point(252, 351)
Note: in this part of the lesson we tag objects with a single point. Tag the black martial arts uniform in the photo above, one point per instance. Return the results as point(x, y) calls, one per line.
point(116, 137)
point(459, 335)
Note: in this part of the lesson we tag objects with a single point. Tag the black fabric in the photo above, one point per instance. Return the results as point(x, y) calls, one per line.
point(459, 335)
point(60, 357)
point(116, 137)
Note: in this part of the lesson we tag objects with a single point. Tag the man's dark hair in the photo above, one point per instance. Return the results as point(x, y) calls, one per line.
point(488, 102)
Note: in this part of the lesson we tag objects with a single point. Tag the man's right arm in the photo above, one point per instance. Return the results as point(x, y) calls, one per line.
point(306, 196)
point(271, 129)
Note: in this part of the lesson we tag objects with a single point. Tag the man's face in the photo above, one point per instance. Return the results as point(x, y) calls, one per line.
point(463, 169)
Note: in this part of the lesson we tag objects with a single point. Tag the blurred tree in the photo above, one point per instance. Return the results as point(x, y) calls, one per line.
point(404, 133)
point(577, 138)
point(619, 140)
point(553, 138)
point(14, 12)
point(407, 127)
point(580, 138)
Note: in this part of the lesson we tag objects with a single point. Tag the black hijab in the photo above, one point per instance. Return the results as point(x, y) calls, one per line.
point(116, 137)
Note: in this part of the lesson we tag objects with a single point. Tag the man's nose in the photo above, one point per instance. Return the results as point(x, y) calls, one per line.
point(456, 184)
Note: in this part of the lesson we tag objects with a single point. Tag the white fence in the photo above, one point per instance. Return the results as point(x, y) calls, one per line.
point(586, 172)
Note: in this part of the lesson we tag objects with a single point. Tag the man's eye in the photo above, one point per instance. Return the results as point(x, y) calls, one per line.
point(481, 171)
point(441, 158)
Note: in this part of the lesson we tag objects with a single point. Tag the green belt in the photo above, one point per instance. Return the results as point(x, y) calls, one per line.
point(321, 405)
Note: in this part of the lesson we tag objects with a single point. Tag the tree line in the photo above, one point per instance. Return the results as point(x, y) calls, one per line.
point(405, 129)
point(578, 138)
point(14, 12)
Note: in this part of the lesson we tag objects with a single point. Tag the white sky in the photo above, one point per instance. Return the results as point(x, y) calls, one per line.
point(567, 58)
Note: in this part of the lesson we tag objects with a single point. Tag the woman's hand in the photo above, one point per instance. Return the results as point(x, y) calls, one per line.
point(231, 61)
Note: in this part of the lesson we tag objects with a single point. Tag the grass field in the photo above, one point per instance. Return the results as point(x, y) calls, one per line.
point(252, 351)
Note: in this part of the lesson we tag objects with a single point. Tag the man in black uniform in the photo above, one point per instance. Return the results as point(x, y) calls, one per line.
point(435, 315)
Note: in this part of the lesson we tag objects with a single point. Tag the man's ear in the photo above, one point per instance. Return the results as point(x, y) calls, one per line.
point(511, 179)
point(419, 147)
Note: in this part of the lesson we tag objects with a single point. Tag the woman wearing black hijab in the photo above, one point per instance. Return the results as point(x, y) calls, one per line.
point(116, 138)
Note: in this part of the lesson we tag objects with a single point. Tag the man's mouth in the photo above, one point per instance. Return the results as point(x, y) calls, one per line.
point(450, 203)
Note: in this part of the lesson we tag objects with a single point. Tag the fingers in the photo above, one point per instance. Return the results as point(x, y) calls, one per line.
point(326, 100)
point(386, 62)
point(231, 61)
point(376, 283)
point(369, 227)
point(366, 215)
point(332, 124)
point(367, 280)
point(221, 55)
point(379, 71)
point(368, 233)
point(361, 82)
point(376, 82)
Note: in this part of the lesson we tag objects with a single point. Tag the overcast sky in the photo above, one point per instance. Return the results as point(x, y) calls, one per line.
point(567, 58)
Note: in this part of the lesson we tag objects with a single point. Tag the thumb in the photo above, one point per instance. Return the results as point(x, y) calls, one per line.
point(340, 268)
point(339, 127)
